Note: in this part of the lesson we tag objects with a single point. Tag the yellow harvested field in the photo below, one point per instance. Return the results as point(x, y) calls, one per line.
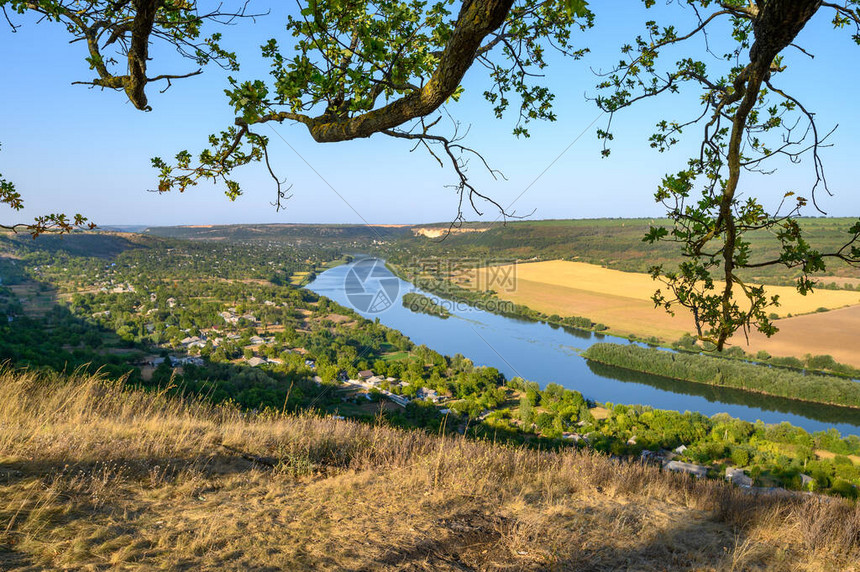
point(623, 315)
point(835, 333)
point(622, 300)
point(640, 286)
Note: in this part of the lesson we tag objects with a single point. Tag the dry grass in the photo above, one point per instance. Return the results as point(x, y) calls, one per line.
point(822, 454)
point(93, 476)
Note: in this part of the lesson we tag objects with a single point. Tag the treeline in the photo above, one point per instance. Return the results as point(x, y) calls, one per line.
point(818, 363)
point(420, 303)
point(488, 301)
point(729, 373)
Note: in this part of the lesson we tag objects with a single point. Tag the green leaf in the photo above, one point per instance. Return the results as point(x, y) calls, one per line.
point(578, 8)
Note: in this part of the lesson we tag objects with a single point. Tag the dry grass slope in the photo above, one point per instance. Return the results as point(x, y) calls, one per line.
point(96, 476)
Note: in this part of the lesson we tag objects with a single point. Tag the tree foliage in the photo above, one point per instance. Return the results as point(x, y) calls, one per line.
point(361, 68)
point(746, 120)
point(357, 68)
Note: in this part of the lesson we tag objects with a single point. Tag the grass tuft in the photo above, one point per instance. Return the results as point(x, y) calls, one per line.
point(95, 475)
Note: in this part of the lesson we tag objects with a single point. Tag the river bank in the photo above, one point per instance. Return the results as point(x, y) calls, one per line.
point(550, 354)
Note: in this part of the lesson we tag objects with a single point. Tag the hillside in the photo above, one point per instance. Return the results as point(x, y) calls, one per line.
point(93, 475)
point(320, 233)
point(614, 243)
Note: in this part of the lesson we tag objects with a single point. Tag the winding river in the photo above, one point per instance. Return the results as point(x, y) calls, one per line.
point(546, 354)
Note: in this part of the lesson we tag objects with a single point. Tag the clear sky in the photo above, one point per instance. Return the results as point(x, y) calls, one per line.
point(72, 149)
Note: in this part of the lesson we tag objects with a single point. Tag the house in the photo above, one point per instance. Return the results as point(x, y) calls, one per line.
point(256, 340)
point(277, 361)
point(375, 380)
point(428, 395)
point(229, 317)
point(365, 374)
point(256, 361)
point(188, 360)
point(679, 467)
point(398, 399)
point(738, 477)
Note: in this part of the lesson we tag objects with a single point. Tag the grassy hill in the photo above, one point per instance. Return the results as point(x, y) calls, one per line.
point(614, 243)
point(106, 245)
point(324, 233)
point(95, 475)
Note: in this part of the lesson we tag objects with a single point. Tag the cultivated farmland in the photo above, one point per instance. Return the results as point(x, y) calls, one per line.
point(622, 301)
point(835, 333)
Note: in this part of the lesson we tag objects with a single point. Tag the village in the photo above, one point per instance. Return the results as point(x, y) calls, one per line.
point(249, 340)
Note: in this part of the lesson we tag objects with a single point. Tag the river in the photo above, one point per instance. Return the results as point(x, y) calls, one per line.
point(548, 354)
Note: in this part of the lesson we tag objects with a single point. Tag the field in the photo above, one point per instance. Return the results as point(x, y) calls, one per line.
point(622, 301)
point(36, 299)
point(96, 477)
point(835, 333)
point(298, 278)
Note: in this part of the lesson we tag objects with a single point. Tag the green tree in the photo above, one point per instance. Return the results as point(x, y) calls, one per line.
point(359, 69)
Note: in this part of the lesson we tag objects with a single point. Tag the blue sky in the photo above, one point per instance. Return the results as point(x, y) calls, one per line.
point(72, 149)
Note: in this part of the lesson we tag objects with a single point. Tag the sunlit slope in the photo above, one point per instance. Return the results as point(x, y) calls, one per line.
point(95, 476)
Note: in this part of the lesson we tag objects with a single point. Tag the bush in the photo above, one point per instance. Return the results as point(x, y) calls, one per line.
point(740, 457)
point(844, 488)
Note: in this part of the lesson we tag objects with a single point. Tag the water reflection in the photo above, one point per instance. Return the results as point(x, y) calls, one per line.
point(824, 413)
